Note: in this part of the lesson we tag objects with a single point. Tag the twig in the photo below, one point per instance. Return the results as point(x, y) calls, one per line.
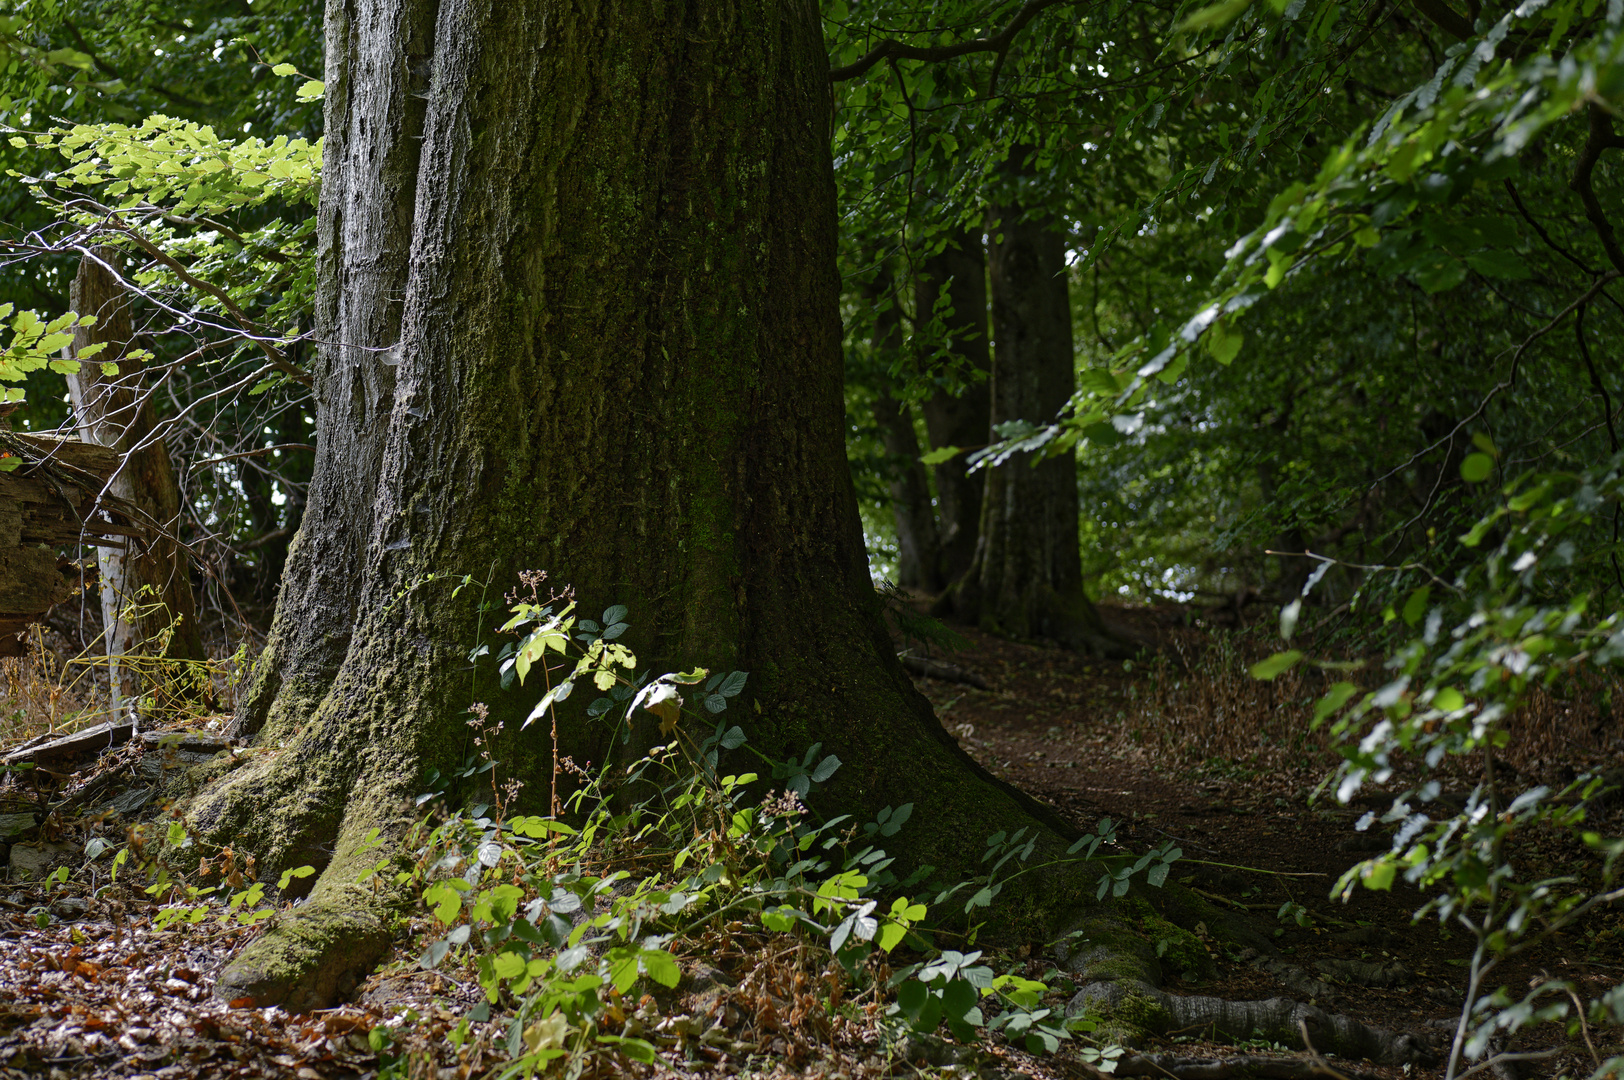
point(251, 453)
point(1217, 899)
point(1368, 566)
point(1495, 391)
point(1446, 18)
point(1612, 432)
point(1511, 189)
point(1500, 1059)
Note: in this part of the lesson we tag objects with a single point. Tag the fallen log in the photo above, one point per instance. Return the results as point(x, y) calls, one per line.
point(71, 752)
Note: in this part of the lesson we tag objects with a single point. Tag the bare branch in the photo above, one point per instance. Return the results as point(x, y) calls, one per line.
point(891, 49)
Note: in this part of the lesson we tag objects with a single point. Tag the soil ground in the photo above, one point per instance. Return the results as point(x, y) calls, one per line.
point(1083, 736)
point(99, 992)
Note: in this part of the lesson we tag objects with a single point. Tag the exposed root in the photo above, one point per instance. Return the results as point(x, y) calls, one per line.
point(310, 957)
point(932, 668)
point(1275, 1019)
point(1241, 1065)
point(1119, 973)
point(300, 807)
point(1292, 977)
point(315, 954)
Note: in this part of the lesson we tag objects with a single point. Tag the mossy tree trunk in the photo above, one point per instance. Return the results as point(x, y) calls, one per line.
point(590, 327)
point(146, 585)
point(1027, 577)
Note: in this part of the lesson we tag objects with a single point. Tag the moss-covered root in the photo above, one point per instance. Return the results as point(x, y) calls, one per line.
point(314, 955)
point(1139, 1005)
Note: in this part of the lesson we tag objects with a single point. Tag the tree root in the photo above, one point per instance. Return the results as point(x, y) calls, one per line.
point(1119, 972)
point(1276, 1019)
point(1239, 1066)
point(311, 956)
point(315, 953)
point(932, 668)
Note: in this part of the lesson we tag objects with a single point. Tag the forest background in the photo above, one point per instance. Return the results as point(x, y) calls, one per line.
point(1161, 147)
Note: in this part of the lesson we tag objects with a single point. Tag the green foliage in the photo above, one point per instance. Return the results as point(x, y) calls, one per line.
point(561, 927)
point(154, 855)
point(34, 344)
point(1509, 623)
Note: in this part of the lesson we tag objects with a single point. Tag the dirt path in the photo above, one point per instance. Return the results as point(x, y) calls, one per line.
point(1075, 732)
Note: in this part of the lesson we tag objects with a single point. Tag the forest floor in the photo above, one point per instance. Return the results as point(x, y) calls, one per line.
point(1183, 747)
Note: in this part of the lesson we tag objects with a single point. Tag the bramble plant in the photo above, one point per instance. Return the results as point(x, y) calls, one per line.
point(236, 900)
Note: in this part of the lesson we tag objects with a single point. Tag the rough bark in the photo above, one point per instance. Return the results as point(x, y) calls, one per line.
point(50, 501)
point(909, 486)
point(379, 63)
point(962, 418)
point(617, 359)
point(146, 587)
point(1026, 579)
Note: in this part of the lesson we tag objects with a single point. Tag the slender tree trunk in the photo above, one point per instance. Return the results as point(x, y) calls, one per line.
point(1027, 577)
point(617, 358)
point(917, 558)
point(964, 418)
point(911, 508)
point(380, 56)
point(146, 588)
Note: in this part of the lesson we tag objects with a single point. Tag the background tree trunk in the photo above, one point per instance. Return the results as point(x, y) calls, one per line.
point(917, 543)
point(1027, 578)
point(146, 587)
point(962, 419)
point(618, 360)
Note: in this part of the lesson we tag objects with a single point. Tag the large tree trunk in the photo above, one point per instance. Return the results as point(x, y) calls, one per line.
point(964, 418)
point(146, 587)
point(1027, 577)
point(617, 359)
point(911, 509)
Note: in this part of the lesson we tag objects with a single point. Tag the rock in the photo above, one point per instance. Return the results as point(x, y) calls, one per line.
point(16, 824)
point(190, 742)
point(70, 908)
point(1293, 978)
point(166, 750)
point(1393, 974)
point(131, 801)
point(37, 860)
